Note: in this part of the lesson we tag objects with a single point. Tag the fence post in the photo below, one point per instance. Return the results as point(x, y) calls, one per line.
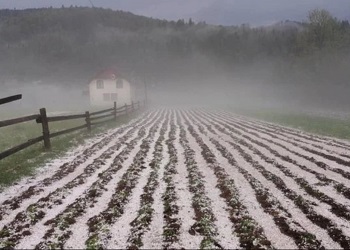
point(88, 121)
point(115, 111)
point(132, 106)
point(46, 131)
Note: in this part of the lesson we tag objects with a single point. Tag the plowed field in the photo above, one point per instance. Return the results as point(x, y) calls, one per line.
point(187, 179)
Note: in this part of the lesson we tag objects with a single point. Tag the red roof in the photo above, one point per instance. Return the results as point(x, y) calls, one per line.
point(108, 74)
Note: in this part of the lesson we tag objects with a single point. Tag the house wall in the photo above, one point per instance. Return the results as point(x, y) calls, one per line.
point(124, 95)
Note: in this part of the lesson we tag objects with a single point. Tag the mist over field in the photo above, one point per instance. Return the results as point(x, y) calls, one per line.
point(49, 55)
point(37, 95)
point(124, 131)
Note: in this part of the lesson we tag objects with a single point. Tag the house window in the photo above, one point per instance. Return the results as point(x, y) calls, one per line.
point(106, 97)
point(119, 84)
point(109, 97)
point(99, 84)
point(114, 96)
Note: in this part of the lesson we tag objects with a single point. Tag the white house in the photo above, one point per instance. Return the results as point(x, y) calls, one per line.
point(108, 86)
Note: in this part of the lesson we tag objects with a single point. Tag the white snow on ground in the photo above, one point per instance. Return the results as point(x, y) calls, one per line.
point(301, 173)
point(325, 139)
point(47, 190)
point(121, 229)
point(283, 132)
point(219, 207)
point(54, 165)
point(80, 228)
point(332, 149)
point(298, 216)
point(32, 240)
point(248, 198)
point(186, 212)
point(312, 179)
point(153, 237)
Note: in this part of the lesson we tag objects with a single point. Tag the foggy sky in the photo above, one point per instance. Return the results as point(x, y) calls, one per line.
point(225, 12)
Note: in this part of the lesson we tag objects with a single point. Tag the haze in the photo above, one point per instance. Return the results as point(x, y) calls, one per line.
point(283, 64)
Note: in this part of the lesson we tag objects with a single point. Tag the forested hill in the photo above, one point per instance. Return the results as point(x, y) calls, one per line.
point(71, 44)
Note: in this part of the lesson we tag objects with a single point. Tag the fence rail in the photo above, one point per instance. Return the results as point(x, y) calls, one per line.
point(44, 120)
point(18, 120)
point(101, 117)
point(20, 147)
point(10, 99)
point(102, 111)
point(64, 118)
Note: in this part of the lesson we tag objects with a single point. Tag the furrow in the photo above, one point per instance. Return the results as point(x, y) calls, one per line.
point(327, 156)
point(225, 237)
point(80, 229)
point(120, 230)
point(141, 223)
point(321, 164)
point(60, 225)
point(185, 217)
point(204, 216)
point(55, 201)
point(322, 183)
point(247, 230)
point(301, 134)
point(323, 172)
point(154, 237)
point(287, 137)
point(269, 204)
point(292, 222)
point(312, 212)
point(66, 173)
point(292, 133)
point(99, 226)
point(171, 220)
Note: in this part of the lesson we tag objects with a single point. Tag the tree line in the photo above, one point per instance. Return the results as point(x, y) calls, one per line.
point(72, 43)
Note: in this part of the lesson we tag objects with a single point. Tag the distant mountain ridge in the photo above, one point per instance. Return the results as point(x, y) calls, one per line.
point(219, 12)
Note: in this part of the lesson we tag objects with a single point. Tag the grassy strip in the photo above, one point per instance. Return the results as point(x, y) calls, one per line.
point(339, 128)
point(24, 163)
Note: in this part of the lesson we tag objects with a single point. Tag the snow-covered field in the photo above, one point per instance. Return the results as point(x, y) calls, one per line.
point(187, 179)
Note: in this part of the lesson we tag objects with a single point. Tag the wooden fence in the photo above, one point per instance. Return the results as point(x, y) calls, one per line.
point(10, 99)
point(91, 119)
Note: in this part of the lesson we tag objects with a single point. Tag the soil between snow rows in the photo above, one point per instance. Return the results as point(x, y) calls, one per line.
point(187, 179)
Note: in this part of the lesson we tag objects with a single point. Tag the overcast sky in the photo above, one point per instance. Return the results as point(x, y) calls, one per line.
point(226, 12)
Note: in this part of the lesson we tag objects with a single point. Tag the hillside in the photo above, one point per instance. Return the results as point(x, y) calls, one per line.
point(52, 42)
point(69, 45)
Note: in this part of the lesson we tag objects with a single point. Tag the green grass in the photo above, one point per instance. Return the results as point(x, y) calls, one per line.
point(25, 162)
point(338, 128)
